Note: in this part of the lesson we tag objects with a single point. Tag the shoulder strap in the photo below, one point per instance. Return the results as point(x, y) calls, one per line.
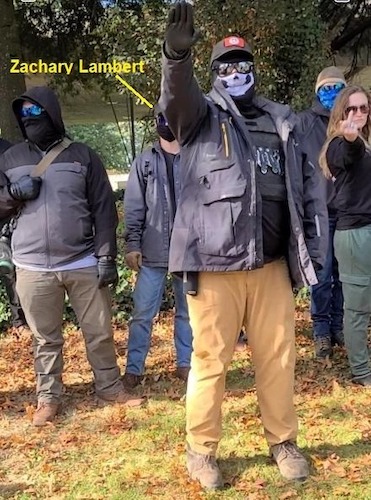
point(49, 157)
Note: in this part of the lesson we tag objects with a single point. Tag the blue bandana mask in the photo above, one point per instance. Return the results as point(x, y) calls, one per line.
point(328, 93)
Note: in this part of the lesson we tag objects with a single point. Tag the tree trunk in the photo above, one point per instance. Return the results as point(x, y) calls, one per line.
point(11, 85)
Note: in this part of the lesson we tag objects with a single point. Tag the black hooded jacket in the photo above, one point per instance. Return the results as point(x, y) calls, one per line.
point(311, 128)
point(75, 214)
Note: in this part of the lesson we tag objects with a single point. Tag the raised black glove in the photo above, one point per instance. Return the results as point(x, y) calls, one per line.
point(180, 34)
point(107, 272)
point(25, 188)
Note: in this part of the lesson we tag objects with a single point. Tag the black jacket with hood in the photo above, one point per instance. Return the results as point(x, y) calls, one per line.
point(217, 224)
point(312, 127)
point(75, 214)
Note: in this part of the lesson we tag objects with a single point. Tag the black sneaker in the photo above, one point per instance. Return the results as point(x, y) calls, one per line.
point(323, 347)
point(291, 462)
point(337, 339)
point(130, 380)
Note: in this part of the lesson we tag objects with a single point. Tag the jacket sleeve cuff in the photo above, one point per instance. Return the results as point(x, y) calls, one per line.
point(172, 54)
point(105, 243)
point(132, 247)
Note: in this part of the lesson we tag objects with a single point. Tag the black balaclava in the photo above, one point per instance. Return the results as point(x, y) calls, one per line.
point(40, 130)
point(163, 129)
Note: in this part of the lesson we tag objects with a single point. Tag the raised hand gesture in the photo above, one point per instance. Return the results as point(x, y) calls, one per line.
point(348, 128)
point(180, 34)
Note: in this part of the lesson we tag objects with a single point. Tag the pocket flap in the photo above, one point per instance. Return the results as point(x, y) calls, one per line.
point(355, 280)
point(223, 193)
point(69, 167)
point(213, 164)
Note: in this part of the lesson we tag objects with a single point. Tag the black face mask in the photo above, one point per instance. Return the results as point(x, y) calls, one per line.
point(164, 132)
point(40, 130)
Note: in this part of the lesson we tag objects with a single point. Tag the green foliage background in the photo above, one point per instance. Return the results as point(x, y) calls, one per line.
point(291, 40)
point(113, 141)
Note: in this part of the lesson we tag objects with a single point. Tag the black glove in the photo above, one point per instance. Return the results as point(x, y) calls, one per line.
point(25, 188)
point(107, 272)
point(180, 34)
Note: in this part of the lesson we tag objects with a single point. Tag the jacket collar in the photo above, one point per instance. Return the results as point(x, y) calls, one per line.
point(156, 148)
point(318, 109)
point(281, 114)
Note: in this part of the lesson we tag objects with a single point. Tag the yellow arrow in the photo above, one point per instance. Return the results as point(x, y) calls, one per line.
point(143, 99)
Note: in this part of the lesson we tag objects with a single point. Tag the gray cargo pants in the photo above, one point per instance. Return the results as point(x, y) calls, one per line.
point(42, 298)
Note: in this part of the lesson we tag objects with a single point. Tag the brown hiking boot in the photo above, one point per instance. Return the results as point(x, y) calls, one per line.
point(204, 469)
point(291, 462)
point(182, 372)
point(121, 397)
point(45, 412)
point(130, 380)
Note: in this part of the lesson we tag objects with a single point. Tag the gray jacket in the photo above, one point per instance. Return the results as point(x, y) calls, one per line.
point(74, 215)
point(218, 221)
point(147, 207)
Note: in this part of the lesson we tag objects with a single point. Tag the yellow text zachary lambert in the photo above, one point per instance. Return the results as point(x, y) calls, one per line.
point(40, 66)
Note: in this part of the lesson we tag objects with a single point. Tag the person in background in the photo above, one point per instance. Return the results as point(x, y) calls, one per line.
point(327, 301)
point(251, 226)
point(346, 158)
point(150, 202)
point(64, 242)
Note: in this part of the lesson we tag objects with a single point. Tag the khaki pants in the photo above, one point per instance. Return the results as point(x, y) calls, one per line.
point(262, 300)
point(42, 298)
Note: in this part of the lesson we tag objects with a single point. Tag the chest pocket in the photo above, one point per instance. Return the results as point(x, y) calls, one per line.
point(69, 177)
point(221, 209)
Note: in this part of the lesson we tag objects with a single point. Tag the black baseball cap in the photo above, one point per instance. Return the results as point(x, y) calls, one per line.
point(233, 43)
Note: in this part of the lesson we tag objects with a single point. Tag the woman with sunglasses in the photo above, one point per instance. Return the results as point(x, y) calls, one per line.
point(346, 159)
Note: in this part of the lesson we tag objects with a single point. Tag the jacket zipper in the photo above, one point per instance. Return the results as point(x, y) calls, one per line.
point(225, 139)
point(47, 246)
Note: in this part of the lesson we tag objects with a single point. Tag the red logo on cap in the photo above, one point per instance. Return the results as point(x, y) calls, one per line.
point(234, 41)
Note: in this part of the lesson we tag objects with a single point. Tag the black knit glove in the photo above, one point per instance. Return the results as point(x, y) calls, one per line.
point(180, 34)
point(25, 188)
point(107, 272)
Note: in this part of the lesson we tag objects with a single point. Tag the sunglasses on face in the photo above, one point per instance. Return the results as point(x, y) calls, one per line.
point(364, 109)
point(225, 69)
point(334, 86)
point(33, 110)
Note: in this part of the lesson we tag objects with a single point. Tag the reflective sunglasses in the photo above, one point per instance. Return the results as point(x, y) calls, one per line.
point(364, 109)
point(225, 69)
point(334, 86)
point(33, 110)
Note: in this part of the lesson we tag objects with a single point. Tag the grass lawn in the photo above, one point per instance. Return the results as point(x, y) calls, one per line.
point(111, 453)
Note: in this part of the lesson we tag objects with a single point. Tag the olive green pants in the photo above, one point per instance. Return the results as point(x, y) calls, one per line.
point(353, 252)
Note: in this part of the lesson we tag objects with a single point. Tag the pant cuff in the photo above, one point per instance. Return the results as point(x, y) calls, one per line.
point(202, 449)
